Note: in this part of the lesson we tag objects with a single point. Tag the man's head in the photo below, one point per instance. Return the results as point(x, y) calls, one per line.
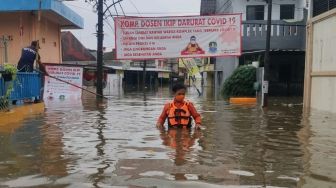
point(193, 40)
point(35, 44)
point(179, 92)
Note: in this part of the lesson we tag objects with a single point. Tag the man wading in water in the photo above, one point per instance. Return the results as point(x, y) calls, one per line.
point(179, 112)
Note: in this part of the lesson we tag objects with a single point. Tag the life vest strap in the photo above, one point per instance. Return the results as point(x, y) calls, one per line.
point(182, 117)
point(179, 126)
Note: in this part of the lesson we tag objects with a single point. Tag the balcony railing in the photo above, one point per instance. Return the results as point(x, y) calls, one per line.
point(284, 36)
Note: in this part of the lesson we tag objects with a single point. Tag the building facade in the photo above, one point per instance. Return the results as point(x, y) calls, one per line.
point(22, 21)
point(287, 41)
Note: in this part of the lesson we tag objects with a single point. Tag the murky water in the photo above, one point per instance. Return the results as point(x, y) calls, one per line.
point(116, 144)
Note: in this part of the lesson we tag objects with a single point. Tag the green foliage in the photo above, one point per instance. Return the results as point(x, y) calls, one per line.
point(10, 69)
point(4, 100)
point(240, 83)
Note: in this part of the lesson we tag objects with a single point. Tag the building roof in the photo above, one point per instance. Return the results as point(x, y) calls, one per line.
point(54, 10)
point(73, 49)
point(110, 55)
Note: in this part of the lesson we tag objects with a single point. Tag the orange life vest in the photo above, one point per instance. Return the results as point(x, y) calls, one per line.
point(179, 116)
point(193, 48)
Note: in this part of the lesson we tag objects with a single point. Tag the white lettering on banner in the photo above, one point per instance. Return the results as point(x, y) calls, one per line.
point(173, 37)
point(56, 89)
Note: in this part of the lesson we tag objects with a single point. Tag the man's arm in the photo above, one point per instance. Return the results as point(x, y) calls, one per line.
point(163, 116)
point(195, 114)
point(42, 68)
point(40, 64)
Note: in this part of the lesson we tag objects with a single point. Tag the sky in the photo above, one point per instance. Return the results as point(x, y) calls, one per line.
point(146, 8)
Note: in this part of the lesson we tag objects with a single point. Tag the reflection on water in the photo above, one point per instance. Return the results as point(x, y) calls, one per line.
point(115, 142)
point(182, 141)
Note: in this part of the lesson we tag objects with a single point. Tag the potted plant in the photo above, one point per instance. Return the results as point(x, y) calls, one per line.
point(9, 72)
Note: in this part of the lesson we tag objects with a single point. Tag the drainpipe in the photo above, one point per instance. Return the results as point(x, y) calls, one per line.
point(215, 77)
point(267, 52)
point(310, 9)
point(4, 40)
point(39, 20)
point(6, 52)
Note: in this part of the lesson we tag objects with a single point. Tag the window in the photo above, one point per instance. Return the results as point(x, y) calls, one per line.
point(255, 12)
point(320, 7)
point(208, 7)
point(287, 12)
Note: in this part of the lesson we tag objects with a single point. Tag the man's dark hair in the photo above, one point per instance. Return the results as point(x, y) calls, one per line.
point(177, 87)
point(34, 43)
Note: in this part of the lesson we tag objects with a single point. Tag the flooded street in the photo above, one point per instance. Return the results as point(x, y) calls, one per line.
point(85, 144)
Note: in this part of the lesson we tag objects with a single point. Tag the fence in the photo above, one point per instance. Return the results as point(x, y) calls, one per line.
point(26, 86)
point(2, 87)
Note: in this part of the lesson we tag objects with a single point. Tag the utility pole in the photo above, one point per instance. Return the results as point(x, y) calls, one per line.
point(267, 54)
point(144, 75)
point(100, 38)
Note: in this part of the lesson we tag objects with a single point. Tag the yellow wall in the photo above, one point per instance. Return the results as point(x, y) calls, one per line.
point(32, 30)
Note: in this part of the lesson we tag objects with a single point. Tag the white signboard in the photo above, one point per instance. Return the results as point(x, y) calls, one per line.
point(171, 37)
point(54, 88)
point(265, 87)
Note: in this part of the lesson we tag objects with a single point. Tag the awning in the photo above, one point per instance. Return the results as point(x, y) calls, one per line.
point(136, 69)
point(273, 50)
point(54, 10)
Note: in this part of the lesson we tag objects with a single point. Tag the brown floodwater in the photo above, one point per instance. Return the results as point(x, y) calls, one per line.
point(116, 144)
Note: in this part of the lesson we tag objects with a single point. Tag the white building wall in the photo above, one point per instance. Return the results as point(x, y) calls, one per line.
point(239, 6)
point(323, 88)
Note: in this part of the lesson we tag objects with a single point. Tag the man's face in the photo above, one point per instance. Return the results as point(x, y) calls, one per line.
point(180, 94)
point(193, 40)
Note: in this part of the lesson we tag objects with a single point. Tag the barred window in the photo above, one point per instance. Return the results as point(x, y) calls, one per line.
point(320, 7)
point(255, 12)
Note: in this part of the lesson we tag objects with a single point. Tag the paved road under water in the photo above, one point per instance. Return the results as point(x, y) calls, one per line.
point(85, 144)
